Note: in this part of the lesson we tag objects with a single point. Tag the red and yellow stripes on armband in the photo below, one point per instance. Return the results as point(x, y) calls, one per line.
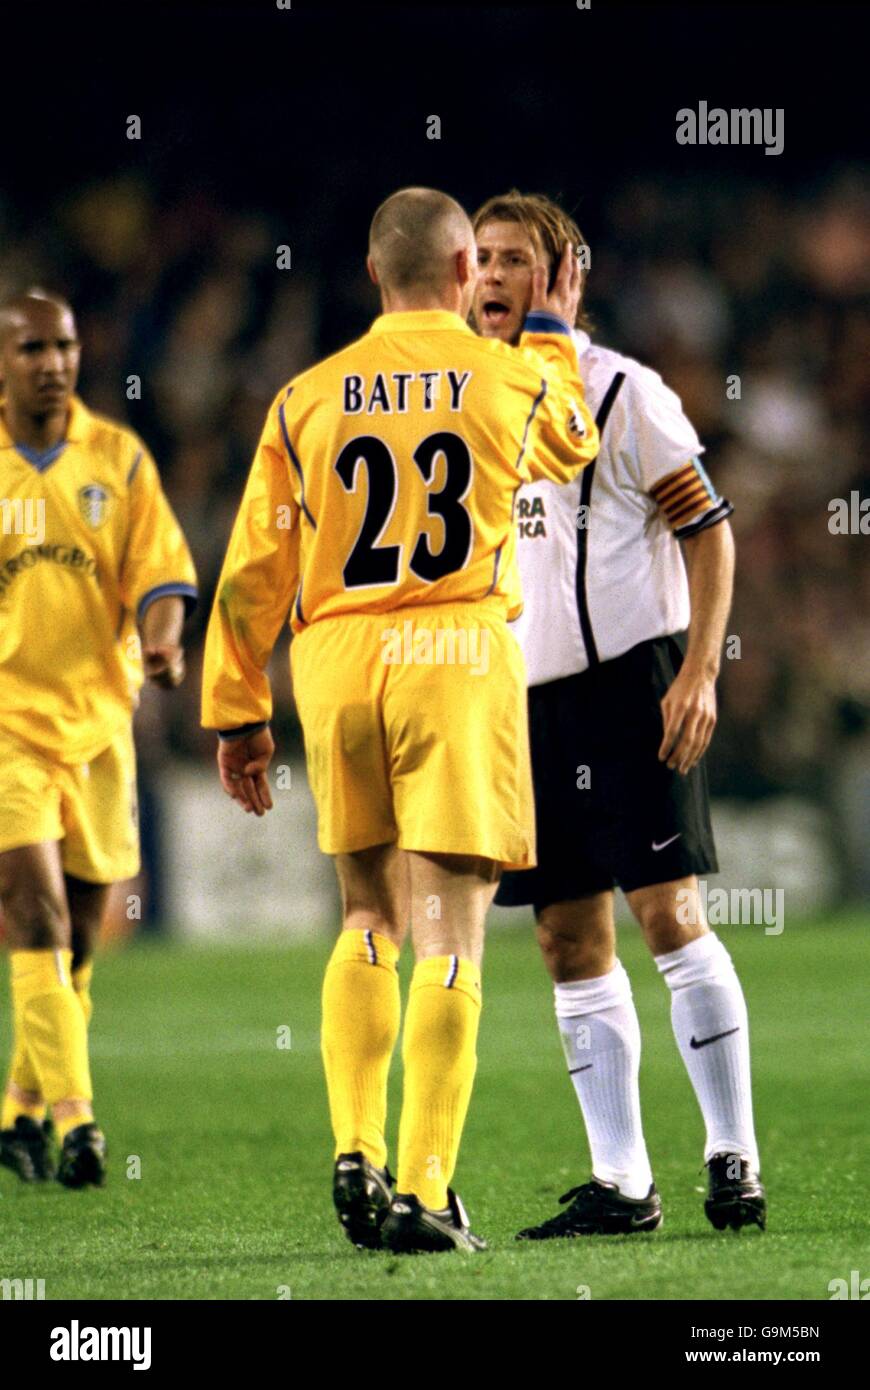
point(689, 500)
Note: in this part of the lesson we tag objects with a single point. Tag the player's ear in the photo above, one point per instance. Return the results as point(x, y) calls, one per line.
point(370, 267)
point(466, 265)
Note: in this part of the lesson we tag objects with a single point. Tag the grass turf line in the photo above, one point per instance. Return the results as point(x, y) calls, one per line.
point(232, 1136)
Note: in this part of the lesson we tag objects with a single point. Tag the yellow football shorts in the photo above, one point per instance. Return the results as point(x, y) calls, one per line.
point(91, 808)
point(416, 732)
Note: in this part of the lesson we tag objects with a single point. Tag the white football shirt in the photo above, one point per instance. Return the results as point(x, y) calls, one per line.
point(600, 557)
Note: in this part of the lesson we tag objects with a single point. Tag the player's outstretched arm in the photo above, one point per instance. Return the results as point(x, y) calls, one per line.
point(562, 434)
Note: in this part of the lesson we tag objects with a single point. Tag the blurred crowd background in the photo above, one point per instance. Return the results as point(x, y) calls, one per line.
point(751, 300)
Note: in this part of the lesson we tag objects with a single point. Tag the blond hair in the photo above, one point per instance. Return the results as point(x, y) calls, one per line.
point(548, 226)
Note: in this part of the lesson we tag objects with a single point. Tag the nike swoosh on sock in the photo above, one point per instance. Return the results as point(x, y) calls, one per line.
point(694, 1042)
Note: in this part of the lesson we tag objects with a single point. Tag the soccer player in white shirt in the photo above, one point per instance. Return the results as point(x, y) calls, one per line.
point(622, 707)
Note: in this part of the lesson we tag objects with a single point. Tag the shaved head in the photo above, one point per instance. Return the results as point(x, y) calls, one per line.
point(39, 365)
point(23, 309)
point(414, 240)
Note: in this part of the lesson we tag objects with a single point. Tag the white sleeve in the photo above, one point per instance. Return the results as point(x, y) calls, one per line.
point(656, 437)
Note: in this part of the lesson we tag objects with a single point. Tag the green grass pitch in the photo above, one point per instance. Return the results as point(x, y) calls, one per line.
point(232, 1138)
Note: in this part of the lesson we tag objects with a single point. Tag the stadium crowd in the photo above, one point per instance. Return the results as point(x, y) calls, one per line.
point(750, 301)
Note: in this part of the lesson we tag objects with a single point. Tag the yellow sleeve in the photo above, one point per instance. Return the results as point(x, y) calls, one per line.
point(255, 591)
point(156, 559)
point(561, 436)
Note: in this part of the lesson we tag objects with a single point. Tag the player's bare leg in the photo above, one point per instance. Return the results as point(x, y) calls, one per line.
point(450, 897)
point(375, 891)
point(670, 915)
point(709, 1019)
point(601, 1038)
point(361, 1014)
point(49, 1023)
point(578, 938)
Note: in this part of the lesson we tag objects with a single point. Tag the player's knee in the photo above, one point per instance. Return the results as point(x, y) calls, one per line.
point(662, 926)
point(573, 947)
point(36, 921)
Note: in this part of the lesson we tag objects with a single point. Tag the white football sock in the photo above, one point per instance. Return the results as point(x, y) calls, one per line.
point(601, 1038)
point(708, 1014)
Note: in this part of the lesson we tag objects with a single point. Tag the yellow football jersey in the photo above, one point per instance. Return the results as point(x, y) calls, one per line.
point(385, 477)
point(87, 541)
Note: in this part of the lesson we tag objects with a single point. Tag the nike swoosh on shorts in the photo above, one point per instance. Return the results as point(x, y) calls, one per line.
point(664, 844)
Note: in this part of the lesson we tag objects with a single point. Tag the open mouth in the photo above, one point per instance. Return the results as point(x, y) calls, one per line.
point(495, 313)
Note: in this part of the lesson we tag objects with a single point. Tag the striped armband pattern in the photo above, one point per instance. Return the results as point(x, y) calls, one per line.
point(689, 500)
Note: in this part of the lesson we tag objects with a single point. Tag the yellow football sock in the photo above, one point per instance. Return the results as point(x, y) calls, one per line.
point(72, 1121)
point(50, 1021)
point(361, 1009)
point(22, 1074)
point(439, 1052)
point(81, 978)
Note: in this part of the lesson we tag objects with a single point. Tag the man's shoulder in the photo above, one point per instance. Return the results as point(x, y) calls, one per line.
point(325, 369)
point(522, 359)
point(309, 386)
point(116, 444)
point(643, 386)
point(608, 362)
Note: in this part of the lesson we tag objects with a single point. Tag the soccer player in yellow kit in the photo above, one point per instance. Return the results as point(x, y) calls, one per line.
point(380, 508)
point(94, 578)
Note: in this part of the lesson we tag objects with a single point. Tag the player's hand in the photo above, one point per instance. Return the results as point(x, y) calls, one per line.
point(242, 764)
point(164, 664)
point(564, 297)
point(689, 714)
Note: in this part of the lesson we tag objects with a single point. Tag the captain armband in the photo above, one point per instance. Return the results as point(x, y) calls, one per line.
point(689, 500)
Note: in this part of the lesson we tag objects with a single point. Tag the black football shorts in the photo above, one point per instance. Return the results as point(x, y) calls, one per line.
point(607, 811)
